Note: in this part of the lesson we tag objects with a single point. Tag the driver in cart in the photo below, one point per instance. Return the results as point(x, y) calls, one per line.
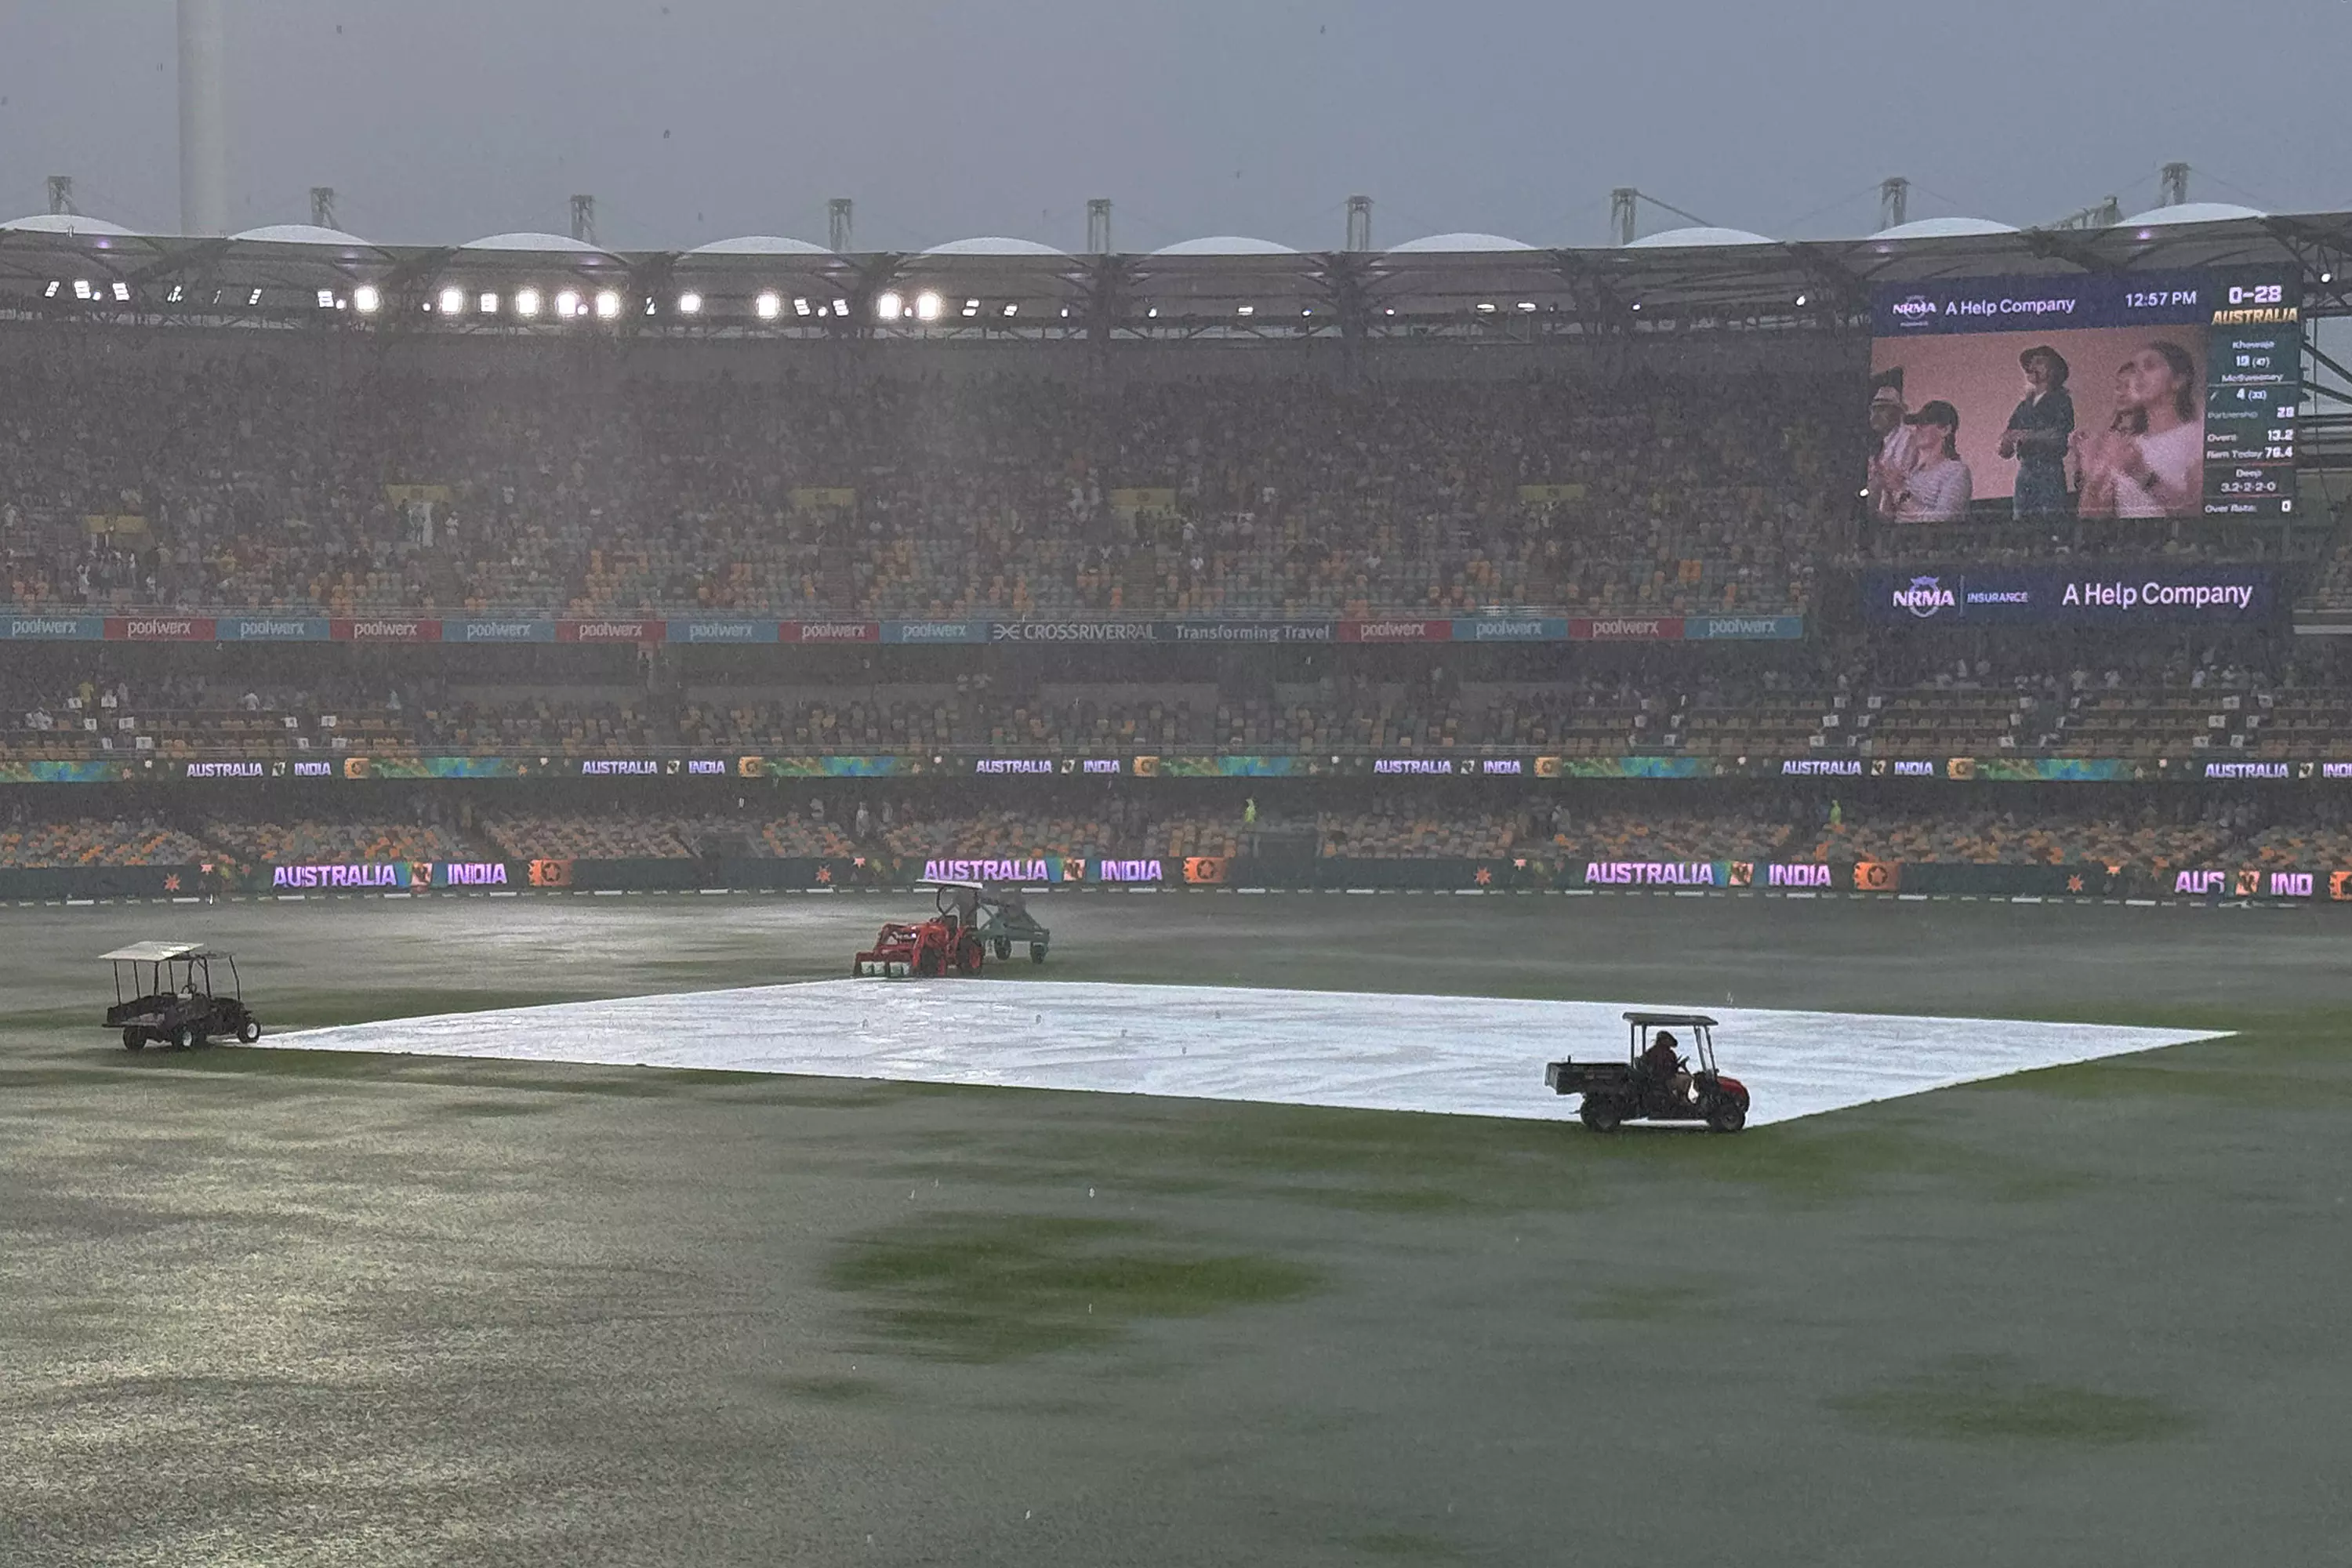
point(1664, 1066)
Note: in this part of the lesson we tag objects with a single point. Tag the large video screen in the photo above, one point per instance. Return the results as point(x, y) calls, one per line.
point(2115, 396)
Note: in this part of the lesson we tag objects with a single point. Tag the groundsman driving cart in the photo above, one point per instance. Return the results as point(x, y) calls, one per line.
point(163, 992)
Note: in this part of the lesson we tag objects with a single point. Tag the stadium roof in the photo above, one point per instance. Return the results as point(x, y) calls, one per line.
point(1683, 280)
point(1457, 244)
point(1944, 229)
point(1225, 245)
point(759, 245)
point(2191, 212)
point(1684, 238)
point(298, 233)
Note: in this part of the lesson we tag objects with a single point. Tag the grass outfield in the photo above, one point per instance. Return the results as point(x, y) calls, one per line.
point(294, 1306)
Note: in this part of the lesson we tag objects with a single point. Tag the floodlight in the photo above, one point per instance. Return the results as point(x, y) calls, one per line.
point(453, 300)
point(768, 305)
point(81, 288)
point(927, 306)
point(1485, 306)
point(51, 291)
point(1307, 311)
point(326, 299)
point(526, 302)
point(1801, 298)
point(800, 306)
point(486, 303)
point(1246, 311)
point(366, 299)
point(841, 307)
point(121, 292)
point(689, 304)
point(567, 304)
point(179, 290)
point(886, 305)
point(1152, 313)
point(254, 298)
point(608, 304)
point(1527, 304)
point(1012, 310)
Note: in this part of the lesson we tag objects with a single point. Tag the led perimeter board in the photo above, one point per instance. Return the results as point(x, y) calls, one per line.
point(2086, 396)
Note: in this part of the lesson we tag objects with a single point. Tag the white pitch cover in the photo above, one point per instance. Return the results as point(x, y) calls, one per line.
point(1458, 1055)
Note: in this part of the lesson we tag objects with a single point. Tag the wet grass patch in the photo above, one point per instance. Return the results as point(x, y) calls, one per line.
point(996, 1287)
point(1988, 1400)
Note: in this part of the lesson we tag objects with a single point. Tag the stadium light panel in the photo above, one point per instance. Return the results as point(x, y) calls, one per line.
point(326, 299)
point(1065, 312)
point(768, 305)
point(1246, 311)
point(927, 306)
point(81, 288)
point(366, 299)
point(453, 301)
point(526, 302)
point(888, 305)
point(1803, 298)
point(1307, 311)
point(689, 304)
point(254, 298)
point(1152, 314)
point(486, 302)
point(1012, 310)
point(608, 305)
point(51, 291)
point(121, 292)
point(649, 304)
point(841, 307)
point(1392, 310)
point(800, 306)
point(971, 308)
point(179, 291)
point(567, 304)
point(1527, 304)
point(1485, 306)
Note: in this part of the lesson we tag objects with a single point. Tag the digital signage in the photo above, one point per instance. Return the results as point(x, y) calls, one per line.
point(2104, 594)
point(2111, 396)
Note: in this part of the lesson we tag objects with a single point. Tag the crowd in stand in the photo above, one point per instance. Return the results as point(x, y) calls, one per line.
point(135, 475)
point(2157, 832)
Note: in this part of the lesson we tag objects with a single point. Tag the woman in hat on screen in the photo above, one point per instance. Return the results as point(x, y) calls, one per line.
point(2037, 435)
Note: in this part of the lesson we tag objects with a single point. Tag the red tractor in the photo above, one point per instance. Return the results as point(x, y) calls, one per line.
point(948, 940)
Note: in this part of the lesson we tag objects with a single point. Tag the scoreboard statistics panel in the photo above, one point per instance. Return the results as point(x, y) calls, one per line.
point(2253, 379)
point(2182, 389)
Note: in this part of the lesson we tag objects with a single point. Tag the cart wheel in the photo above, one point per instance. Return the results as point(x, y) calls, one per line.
point(970, 957)
point(249, 1031)
point(185, 1038)
point(1728, 1116)
point(1599, 1113)
point(1037, 953)
point(1004, 949)
point(132, 1040)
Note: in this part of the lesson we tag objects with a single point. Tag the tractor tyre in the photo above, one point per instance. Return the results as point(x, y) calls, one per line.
point(1004, 949)
point(970, 956)
point(248, 1031)
point(1726, 1115)
point(1037, 953)
point(134, 1040)
point(1599, 1113)
point(186, 1037)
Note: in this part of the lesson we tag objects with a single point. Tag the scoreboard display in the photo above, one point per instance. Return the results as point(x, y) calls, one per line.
point(2253, 380)
point(2176, 396)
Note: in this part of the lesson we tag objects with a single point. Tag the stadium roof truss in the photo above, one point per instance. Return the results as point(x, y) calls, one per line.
point(1791, 285)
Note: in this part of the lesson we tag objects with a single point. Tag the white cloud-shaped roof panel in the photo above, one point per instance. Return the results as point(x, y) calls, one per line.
point(74, 225)
point(993, 245)
point(2191, 212)
point(1944, 229)
point(1457, 243)
point(537, 244)
point(1225, 245)
point(1695, 239)
point(298, 233)
point(760, 245)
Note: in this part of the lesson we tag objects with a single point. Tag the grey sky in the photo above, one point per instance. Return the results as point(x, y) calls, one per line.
point(442, 119)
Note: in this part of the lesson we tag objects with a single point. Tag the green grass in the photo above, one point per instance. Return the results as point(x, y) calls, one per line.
point(1987, 1400)
point(993, 1288)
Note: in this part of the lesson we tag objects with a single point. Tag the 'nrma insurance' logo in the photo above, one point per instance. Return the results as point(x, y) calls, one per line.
point(1914, 310)
point(1925, 597)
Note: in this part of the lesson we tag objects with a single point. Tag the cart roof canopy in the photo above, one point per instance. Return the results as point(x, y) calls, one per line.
point(1688, 1020)
point(976, 886)
point(159, 953)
